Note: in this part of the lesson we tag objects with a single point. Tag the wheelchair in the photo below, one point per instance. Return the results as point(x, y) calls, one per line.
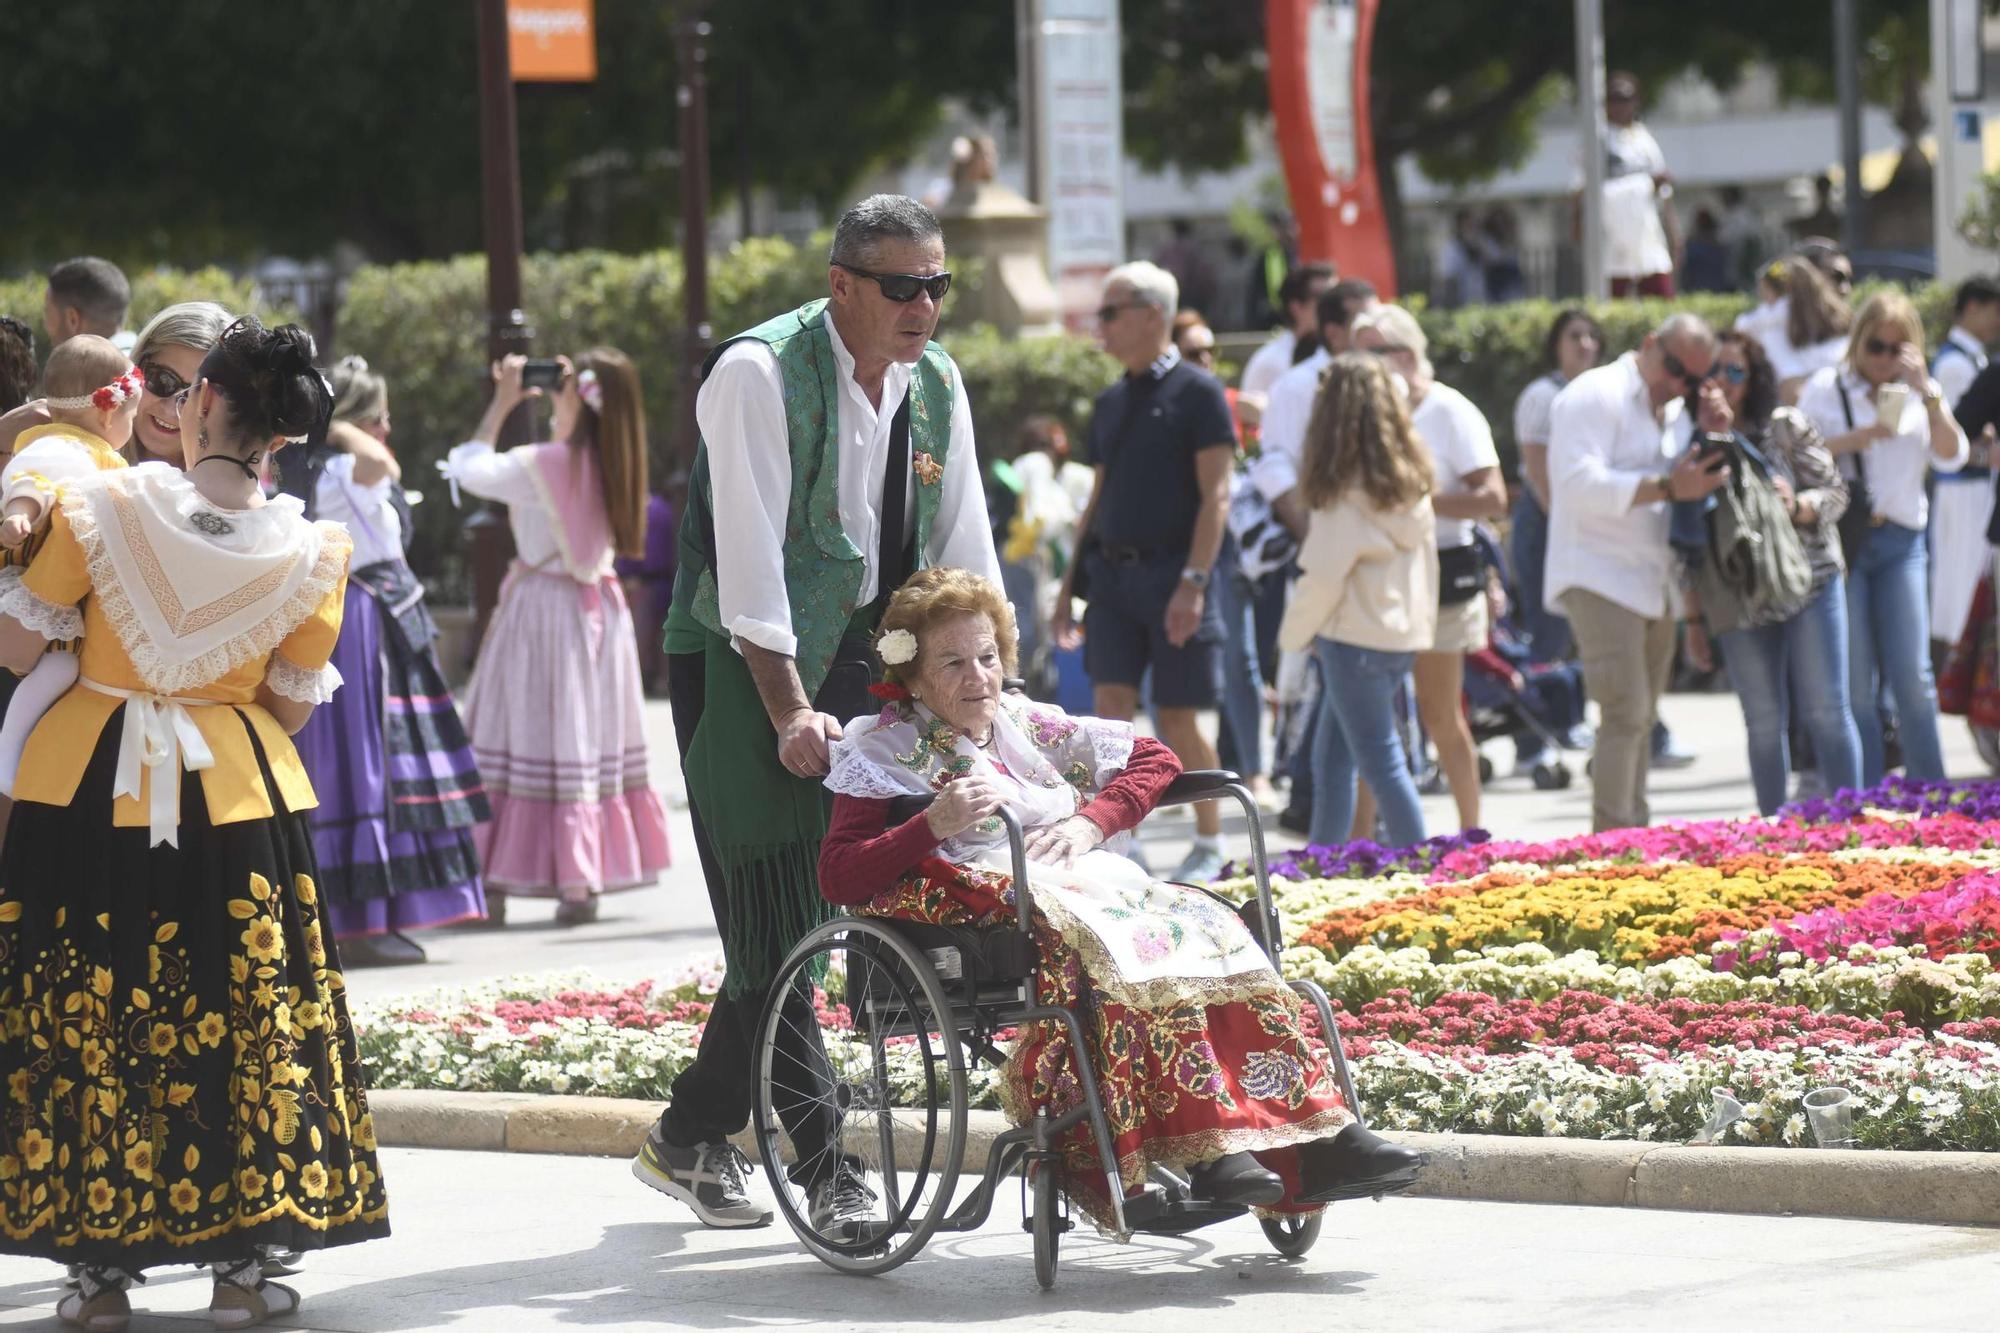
point(903, 1010)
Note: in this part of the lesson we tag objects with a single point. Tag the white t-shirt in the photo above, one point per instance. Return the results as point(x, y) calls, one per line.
point(1635, 240)
point(1895, 467)
point(1797, 363)
point(1268, 362)
point(1460, 442)
point(1532, 410)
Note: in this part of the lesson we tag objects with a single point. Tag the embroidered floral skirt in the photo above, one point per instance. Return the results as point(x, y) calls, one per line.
point(182, 1080)
point(1188, 1071)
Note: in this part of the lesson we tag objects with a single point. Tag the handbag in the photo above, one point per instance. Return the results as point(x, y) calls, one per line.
point(1858, 520)
point(1461, 574)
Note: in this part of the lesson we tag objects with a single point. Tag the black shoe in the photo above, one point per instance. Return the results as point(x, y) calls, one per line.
point(1356, 1163)
point(391, 950)
point(1295, 821)
point(1238, 1178)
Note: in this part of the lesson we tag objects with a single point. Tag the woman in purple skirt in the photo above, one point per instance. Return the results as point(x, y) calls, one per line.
point(399, 792)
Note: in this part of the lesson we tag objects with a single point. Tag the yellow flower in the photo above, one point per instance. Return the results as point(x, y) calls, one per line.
point(251, 1182)
point(281, 1018)
point(36, 1149)
point(99, 1197)
point(96, 1060)
point(211, 1029)
point(312, 1179)
point(185, 1196)
point(263, 941)
point(364, 1132)
point(139, 1160)
point(315, 945)
point(307, 1015)
point(17, 1082)
point(162, 1039)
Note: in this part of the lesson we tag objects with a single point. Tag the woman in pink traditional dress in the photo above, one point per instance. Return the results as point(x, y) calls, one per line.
point(1198, 1044)
point(555, 708)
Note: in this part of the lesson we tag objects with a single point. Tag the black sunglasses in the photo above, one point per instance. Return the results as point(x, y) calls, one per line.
point(1678, 369)
point(902, 288)
point(1876, 347)
point(159, 381)
point(1107, 313)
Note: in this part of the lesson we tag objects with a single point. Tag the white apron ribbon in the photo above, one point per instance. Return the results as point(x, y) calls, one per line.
point(160, 735)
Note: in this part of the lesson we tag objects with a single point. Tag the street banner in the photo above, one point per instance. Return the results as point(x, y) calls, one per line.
point(552, 41)
point(1319, 104)
point(1080, 150)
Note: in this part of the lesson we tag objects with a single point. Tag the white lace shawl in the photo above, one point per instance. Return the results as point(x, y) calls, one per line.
point(192, 591)
point(1055, 763)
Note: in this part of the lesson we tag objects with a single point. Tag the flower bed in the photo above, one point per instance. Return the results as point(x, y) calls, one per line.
point(1601, 986)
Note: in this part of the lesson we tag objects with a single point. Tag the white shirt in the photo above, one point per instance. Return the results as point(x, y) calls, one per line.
point(1894, 468)
point(1604, 441)
point(741, 411)
point(1796, 363)
point(1269, 362)
point(1635, 240)
point(1957, 364)
point(365, 511)
point(509, 478)
point(1531, 410)
point(1287, 411)
point(1766, 322)
point(1461, 443)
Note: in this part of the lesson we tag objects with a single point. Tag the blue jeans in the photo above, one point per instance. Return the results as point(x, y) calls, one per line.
point(1357, 733)
point(1548, 634)
point(1242, 682)
point(1802, 663)
point(1889, 644)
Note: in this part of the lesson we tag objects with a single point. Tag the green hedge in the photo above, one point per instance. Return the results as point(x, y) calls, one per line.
point(424, 326)
point(152, 292)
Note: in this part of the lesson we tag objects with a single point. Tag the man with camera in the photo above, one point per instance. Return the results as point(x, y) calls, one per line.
point(1621, 451)
point(835, 461)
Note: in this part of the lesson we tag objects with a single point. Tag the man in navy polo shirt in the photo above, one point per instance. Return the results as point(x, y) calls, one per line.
point(1163, 445)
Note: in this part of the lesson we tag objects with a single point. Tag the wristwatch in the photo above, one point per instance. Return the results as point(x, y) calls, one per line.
point(1195, 578)
point(1665, 481)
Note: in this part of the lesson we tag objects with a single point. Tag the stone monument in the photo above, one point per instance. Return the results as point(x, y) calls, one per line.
point(987, 220)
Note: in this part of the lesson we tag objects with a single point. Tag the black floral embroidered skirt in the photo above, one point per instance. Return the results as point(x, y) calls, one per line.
point(181, 1076)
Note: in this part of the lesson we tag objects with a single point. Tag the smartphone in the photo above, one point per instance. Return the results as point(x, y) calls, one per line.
point(542, 373)
point(1713, 451)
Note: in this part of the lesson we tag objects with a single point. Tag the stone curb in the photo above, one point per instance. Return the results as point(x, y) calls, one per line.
point(1959, 1188)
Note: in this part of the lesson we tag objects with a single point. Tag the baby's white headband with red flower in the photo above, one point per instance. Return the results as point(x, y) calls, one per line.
point(113, 395)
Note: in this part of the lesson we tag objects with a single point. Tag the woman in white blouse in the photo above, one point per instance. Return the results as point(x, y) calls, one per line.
point(555, 707)
point(1813, 335)
point(1885, 420)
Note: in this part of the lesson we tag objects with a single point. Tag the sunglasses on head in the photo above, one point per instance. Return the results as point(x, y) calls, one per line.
point(159, 381)
point(902, 288)
point(1876, 347)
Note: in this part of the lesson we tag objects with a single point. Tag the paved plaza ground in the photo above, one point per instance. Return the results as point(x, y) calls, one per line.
point(499, 1243)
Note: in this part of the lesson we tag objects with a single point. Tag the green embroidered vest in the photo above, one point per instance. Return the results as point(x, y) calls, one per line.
point(823, 567)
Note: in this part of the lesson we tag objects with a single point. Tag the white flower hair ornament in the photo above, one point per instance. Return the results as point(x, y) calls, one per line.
point(897, 647)
point(590, 390)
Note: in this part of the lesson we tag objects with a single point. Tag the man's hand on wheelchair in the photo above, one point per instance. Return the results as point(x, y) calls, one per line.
point(1060, 844)
point(964, 802)
point(802, 742)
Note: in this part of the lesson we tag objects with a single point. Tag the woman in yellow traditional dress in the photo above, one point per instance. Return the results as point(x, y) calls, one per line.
point(183, 1084)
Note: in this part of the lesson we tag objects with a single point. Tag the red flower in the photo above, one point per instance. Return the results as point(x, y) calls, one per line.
point(889, 691)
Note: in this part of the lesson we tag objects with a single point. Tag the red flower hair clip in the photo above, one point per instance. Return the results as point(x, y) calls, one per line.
point(121, 390)
point(889, 692)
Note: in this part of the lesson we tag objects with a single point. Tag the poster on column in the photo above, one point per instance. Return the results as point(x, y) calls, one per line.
point(1081, 147)
point(1319, 104)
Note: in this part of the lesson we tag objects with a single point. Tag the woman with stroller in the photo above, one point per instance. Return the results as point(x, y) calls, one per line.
point(1200, 1053)
point(1784, 660)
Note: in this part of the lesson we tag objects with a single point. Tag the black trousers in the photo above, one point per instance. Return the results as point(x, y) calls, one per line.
point(712, 1096)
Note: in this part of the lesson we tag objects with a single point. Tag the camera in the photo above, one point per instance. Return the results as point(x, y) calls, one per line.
point(542, 373)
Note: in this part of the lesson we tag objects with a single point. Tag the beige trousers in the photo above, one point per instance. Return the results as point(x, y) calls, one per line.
point(1625, 658)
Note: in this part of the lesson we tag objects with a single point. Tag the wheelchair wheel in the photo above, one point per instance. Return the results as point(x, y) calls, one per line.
point(1049, 1223)
point(1485, 770)
point(890, 1095)
point(1292, 1235)
point(1552, 777)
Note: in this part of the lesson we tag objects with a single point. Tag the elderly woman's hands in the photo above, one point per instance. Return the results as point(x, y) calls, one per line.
point(964, 802)
point(1060, 844)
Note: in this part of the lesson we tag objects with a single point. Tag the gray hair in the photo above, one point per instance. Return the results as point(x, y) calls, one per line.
point(1684, 326)
point(195, 324)
point(878, 218)
point(1150, 283)
point(1398, 327)
point(359, 394)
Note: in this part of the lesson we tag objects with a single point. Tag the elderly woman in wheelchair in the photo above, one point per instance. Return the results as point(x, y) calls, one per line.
point(1196, 1048)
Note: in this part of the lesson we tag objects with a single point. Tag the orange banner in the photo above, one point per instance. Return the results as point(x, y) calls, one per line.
point(552, 41)
point(1319, 104)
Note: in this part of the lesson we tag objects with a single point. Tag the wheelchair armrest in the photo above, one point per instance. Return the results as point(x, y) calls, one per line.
point(1200, 784)
point(905, 808)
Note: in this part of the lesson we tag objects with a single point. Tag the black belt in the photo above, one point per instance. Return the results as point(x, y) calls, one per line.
point(1131, 555)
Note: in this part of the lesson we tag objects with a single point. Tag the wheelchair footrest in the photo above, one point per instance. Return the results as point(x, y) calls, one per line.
point(1173, 1217)
point(1366, 1189)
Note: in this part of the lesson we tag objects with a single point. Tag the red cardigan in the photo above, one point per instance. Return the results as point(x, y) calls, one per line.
point(862, 855)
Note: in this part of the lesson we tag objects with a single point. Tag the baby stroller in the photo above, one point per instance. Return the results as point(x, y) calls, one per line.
point(1502, 700)
point(906, 1012)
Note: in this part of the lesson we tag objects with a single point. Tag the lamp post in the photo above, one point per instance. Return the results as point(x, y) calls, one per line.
point(507, 328)
point(691, 99)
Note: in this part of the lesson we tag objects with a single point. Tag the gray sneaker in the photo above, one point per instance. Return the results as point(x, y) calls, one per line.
point(711, 1178)
point(842, 1208)
point(1202, 865)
